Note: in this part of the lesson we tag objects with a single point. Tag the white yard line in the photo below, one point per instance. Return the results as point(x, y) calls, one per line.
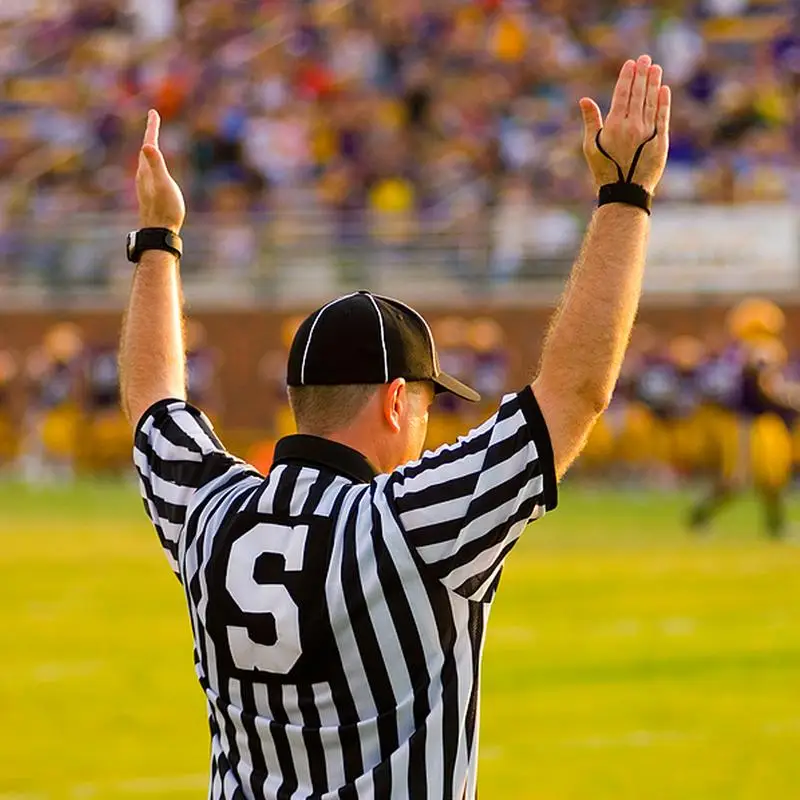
point(637, 739)
point(679, 626)
point(177, 783)
point(64, 670)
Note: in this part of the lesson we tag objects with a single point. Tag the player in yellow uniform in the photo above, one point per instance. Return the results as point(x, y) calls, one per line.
point(457, 357)
point(52, 423)
point(629, 424)
point(490, 362)
point(8, 435)
point(202, 363)
point(760, 453)
point(108, 440)
point(666, 390)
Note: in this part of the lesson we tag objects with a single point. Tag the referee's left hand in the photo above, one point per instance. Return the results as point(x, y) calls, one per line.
point(161, 203)
point(640, 111)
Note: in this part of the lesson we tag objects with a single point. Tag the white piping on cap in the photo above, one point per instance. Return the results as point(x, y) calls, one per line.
point(311, 333)
point(383, 340)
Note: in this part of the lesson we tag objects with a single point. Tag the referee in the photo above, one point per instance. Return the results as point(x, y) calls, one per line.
point(339, 604)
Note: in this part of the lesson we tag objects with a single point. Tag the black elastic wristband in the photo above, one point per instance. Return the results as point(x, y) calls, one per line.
point(631, 194)
point(145, 239)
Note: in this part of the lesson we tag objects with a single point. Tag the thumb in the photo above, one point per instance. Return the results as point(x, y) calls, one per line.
point(592, 118)
point(154, 158)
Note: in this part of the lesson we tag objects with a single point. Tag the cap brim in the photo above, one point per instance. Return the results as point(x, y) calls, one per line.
point(447, 383)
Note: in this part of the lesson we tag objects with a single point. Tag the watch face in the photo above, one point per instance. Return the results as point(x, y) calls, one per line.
point(131, 243)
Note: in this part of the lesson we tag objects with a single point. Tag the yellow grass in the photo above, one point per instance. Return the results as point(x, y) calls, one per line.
point(624, 659)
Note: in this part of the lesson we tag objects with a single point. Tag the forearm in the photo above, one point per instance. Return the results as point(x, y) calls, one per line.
point(585, 346)
point(152, 357)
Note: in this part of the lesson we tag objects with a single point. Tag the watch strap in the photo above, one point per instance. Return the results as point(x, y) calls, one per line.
point(153, 239)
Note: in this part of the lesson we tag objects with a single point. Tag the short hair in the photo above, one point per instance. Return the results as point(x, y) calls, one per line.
point(321, 410)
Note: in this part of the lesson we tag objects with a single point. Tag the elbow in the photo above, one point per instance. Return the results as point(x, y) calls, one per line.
point(594, 399)
point(583, 399)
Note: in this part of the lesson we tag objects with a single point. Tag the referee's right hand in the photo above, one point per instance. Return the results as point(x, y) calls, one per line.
point(640, 106)
point(161, 203)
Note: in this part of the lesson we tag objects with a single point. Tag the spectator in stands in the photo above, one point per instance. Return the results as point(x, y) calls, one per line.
point(395, 119)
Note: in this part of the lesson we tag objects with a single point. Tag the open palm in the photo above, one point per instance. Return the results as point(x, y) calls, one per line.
point(640, 111)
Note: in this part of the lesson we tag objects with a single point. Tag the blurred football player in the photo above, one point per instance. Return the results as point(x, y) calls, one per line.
point(272, 370)
point(718, 384)
point(108, 436)
point(666, 387)
point(456, 357)
point(202, 362)
point(628, 423)
point(685, 436)
point(764, 399)
point(8, 434)
point(490, 360)
point(51, 436)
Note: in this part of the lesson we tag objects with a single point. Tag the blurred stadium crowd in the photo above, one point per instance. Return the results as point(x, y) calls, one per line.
point(390, 121)
point(724, 409)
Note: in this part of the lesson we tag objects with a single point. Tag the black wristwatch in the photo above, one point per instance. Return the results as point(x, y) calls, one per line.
point(153, 239)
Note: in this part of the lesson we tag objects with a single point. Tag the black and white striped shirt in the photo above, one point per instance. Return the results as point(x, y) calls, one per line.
point(339, 615)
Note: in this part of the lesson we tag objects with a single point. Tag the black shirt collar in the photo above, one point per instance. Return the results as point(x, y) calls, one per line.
point(314, 451)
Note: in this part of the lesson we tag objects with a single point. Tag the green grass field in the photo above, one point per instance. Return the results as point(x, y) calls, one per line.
point(624, 660)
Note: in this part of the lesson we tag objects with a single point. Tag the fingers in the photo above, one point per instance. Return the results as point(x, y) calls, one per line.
point(153, 127)
point(639, 88)
point(664, 110)
point(592, 118)
point(155, 160)
point(654, 76)
point(620, 100)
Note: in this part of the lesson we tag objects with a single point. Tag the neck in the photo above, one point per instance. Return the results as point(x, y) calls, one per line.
point(360, 441)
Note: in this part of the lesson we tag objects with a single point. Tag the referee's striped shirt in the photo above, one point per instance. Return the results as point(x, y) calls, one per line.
point(339, 615)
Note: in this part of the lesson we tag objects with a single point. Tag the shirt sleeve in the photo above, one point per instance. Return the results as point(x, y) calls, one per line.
point(179, 460)
point(464, 506)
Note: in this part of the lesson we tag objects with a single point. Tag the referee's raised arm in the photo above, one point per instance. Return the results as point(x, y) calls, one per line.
point(176, 452)
point(152, 358)
point(584, 349)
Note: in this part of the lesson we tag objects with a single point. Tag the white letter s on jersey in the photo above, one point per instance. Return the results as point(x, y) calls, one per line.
point(270, 598)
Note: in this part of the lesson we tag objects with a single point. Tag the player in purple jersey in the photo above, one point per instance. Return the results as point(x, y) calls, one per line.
point(749, 381)
point(456, 358)
point(108, 440)
point(202, 362)
point(54, 374)
point(719, 377)
point(628, 421)
point(718, 386)
point(667, 388)
point(102, 379)
point(490, 359)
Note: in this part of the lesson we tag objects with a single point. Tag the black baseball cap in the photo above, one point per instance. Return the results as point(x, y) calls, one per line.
point(365, 338)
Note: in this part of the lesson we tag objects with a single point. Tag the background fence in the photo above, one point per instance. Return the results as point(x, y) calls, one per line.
point(514, 254)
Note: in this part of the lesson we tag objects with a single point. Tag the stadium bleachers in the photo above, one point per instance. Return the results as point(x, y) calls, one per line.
point(385, 120)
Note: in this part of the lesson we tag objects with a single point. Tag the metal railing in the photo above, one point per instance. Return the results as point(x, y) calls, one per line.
point(292, 256)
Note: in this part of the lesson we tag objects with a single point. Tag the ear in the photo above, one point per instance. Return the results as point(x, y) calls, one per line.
point(395, 400)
